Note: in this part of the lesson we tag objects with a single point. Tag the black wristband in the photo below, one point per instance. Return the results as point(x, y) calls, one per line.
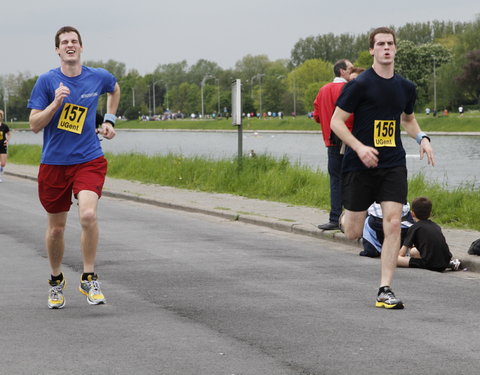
point(98, 120)
point(110, 122)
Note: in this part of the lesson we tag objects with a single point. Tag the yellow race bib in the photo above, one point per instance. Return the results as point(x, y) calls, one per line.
point(384, 133)
point(72, 118)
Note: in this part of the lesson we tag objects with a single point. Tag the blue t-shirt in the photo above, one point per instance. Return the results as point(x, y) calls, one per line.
point(70, 136)
point(377, 104)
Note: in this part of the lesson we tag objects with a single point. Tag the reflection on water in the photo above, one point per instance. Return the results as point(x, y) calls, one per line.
point(456, 156)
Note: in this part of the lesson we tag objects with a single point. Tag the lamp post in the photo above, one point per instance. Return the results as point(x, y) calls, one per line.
point(434, 85)
point(153, 85)
point(218, 96)
point(166, 95)
point(5, 101)
point(294, 95)
point(149, 102)
point(202, 84)
point(251, 86)
point(260, 75)
point(133, 96)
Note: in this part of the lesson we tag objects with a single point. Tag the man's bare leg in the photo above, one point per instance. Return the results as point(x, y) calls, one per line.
point(392, 218)
point(54, 241)
point(87, 208)
point(352, 223)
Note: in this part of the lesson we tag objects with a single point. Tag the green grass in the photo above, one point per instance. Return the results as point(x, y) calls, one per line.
point(267, 178)
point(262, 177)
point(452, 123)
point(25, 154)
point(290, 123)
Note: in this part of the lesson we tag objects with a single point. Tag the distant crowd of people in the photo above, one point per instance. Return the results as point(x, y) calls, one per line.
point(445, 112)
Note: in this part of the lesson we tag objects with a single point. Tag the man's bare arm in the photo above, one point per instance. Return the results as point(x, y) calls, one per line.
point(368, 155)
point(412, 128)
point(39, 118)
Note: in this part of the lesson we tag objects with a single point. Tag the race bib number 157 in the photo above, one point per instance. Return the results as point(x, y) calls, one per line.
point(384, 133)
point(73, 118)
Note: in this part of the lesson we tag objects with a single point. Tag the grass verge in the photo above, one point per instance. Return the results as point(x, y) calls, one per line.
point(264, 177)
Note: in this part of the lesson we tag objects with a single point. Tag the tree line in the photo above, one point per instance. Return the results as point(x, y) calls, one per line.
point(441, 58)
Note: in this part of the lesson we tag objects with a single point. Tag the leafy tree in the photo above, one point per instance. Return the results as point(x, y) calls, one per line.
point(462, 39)
point(133, 113)
point(313, 71)
point(306, 79)
point(202, 69)
point(470, 76)
point(133, 90)
point(448, 91)
point(415, 62)
point(274, 89)
point(185, 98)
point(18, 89)
point(310, 93)
point(250, 66)
point(172, 74)
point(364, 60)
point(114, 67)
point(328, 47)
point(211, 96)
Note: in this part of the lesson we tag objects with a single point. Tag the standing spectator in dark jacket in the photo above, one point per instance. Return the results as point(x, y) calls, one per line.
point(324, 105)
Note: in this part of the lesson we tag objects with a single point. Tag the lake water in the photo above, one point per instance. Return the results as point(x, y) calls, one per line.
point(457, 157)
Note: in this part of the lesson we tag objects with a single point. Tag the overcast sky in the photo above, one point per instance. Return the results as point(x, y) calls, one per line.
point(145, 33)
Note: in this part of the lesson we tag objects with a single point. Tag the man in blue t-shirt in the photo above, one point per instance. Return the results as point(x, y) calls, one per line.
point(63, 104)
point(374, 166)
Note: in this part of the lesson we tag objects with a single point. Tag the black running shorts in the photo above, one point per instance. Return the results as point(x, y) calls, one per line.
point(361, 188)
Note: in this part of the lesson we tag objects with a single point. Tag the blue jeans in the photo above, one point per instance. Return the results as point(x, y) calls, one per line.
point(335, 171)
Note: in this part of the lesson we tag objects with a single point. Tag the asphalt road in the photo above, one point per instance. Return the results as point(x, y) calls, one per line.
point(194, 294)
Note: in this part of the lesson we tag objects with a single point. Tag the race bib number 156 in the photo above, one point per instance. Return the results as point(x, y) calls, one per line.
point(73, 118)
point(384, 133)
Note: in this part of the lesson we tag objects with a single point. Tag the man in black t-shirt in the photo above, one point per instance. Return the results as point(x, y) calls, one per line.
point(374, 166)
point(5, 135)
point(425, 240)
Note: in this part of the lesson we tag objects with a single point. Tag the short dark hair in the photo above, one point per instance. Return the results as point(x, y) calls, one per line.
point(339, 65)
point(380, 30)
point(422, 208)
point(66, 29)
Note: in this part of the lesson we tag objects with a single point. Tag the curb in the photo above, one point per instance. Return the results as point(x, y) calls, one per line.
point(470, 262)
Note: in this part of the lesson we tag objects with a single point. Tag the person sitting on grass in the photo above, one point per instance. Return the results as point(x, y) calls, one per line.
point(373, 236)
point(425, 240)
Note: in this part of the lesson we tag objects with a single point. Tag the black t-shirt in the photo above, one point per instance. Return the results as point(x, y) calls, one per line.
point(4, 129)
point(428, 238)
point(377, 104)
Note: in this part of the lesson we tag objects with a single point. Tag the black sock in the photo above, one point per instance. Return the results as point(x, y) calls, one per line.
point(383, 289)
point(86, 274)
point(58, 278)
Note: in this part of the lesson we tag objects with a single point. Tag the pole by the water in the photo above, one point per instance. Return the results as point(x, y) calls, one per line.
point(237, 116)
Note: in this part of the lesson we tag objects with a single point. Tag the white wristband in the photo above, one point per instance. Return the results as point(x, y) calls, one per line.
point(420, 136)
point(109, 117)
